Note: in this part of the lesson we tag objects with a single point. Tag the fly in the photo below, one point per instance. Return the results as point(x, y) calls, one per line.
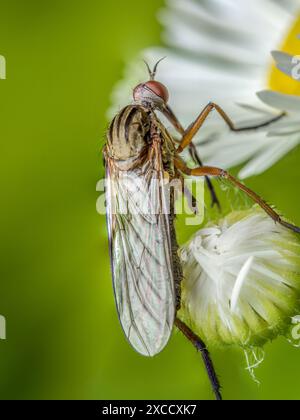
point(142, 159)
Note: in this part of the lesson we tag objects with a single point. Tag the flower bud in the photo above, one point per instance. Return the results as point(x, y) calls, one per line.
point(241, 280)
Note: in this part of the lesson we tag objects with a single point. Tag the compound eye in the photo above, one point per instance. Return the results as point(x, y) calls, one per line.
point(158, 89)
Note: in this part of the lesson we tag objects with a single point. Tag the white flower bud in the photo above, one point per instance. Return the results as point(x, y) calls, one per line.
point(241, 280)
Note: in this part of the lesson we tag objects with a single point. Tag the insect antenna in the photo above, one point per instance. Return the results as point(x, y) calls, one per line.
point(152, 73)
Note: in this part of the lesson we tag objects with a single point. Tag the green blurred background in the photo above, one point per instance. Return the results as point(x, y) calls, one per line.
point(63, 336)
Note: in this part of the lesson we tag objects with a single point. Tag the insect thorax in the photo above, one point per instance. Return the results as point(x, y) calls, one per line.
point(129, 132)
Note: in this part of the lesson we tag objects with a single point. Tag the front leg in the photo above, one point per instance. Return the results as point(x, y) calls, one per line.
point(193, 129)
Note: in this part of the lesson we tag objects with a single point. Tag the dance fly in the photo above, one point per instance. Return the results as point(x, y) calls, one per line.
point(142, 158)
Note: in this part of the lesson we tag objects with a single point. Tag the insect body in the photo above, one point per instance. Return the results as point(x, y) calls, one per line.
point(146, 269)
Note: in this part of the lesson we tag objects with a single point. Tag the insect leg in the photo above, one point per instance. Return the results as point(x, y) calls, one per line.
point(213, 194)
point(192, 202)
point(193, 129)
point(217, 172)
point(200, 346)
point(169, 114)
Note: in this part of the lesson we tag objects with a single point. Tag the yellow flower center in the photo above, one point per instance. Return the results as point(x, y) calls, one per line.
point(277, 80)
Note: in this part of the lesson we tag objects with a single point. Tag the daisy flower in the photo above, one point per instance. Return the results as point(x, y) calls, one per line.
point(219, 50)
point(241, 280)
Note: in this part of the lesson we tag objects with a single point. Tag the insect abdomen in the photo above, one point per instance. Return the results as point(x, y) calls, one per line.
point(128, 132)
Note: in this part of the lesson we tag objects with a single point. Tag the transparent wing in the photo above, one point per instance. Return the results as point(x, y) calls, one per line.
point(141, 256)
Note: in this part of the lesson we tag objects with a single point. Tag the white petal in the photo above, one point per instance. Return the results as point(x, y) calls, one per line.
point(280, 100)
point(270, 156)
point(239, 283)
point(284, 62)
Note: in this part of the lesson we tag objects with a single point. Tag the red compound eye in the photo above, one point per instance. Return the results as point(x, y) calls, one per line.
point(159, 89)
point(144, 90)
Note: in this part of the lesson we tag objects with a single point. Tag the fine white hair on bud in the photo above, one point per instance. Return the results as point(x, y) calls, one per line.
point(241, 280)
